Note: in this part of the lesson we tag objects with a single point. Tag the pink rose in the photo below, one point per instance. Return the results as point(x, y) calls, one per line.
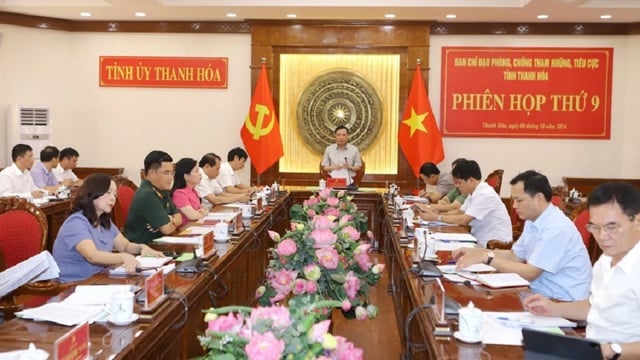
point(351, 232)
point(363, 260)
point(274, 235)
point(226, 323)
point(318, 330)
point(351, 285)
point(323, 238)
point(264, 347)
point(299, 286)
point(279, 315)
point(332, 212)
point(323, 223)
point(286, 247)
point(333, 201)
point(324, 194)
point(282, 280)
point(327, 257)
point(312, 287)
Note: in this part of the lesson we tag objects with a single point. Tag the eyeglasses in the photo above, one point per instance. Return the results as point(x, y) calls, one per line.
point(609, 229)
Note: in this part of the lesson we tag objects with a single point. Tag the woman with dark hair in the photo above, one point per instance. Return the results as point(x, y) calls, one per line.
point(184, 194)
point(85, 243)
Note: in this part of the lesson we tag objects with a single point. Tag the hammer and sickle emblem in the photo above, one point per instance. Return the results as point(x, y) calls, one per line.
point(257, 130)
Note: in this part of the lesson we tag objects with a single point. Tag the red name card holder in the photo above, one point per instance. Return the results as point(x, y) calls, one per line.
point(336, 183)
point(208, 249)
point(74, 345)
point(238, 227)
point(259, 207)
point(154, 291)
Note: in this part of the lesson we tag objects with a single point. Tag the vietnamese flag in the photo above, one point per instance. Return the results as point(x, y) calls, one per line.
point(261, 132)
point(418, 134)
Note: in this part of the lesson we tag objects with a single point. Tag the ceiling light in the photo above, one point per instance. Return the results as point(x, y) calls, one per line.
point(291, 16)
point(85, 14)
point(450, 16)
point(390, 16)
point(232, 15)
point(543, 17)
point(140, 14)
point(605, 17)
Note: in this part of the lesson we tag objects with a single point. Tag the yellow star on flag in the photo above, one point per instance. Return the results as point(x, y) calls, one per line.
point(415, 122)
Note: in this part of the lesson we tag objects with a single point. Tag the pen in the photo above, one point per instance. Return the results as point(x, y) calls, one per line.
point(522, 321)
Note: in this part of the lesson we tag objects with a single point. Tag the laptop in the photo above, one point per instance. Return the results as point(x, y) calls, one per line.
point(542, 345)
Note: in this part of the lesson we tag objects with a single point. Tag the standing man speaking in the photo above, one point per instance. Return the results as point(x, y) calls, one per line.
point(342, 160)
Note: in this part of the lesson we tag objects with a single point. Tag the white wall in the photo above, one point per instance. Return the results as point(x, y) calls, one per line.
point(118, 126)
point(617, 157)
point(113, 127)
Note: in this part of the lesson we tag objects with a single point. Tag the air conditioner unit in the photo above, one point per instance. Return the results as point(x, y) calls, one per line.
point(29, 125)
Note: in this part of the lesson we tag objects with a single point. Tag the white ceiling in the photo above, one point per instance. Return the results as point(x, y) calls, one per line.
point(625, 11)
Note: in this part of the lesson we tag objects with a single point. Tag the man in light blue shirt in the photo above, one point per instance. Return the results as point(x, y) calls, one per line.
point(550, 252)
point(42, 173)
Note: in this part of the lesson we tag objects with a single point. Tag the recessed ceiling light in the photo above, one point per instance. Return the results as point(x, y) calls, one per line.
point(232, 15)
point(390, 16)
point(291, 16)
point(543, 17)
point(85, 14)
point(605, 17)
point(140, 14)
point(450, 16)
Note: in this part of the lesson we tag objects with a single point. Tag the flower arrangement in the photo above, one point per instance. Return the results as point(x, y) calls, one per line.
point(329, 203)
point(321, 255)
point(275, 332)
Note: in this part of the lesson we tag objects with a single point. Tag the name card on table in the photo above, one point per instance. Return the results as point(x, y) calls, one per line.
point(259, 205)
point(238, 226)
point(333, 183)
point(207, 244)
point(74, 345)
point(154, 290)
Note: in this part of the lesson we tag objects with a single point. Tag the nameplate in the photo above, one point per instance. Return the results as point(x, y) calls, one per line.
point(154, 290)
point(259, 205)
point(207, 244)
point(74, 345)
point(333, 183)
point(238, 226)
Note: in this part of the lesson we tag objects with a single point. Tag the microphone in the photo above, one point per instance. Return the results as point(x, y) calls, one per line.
point(346, 162)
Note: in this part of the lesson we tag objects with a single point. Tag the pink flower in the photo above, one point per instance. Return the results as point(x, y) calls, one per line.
point(346, 305)
point(323, 223)
point(347, 351)
point(327, 257)
point(351, 232)
point(286, 247)
point(318, 330)
point(312, 287)
point(226, 323)
point(345, 219)
point(264, 347)
point(362, 248)
point(278, 314)
point(299, 286)
point(312, 272)
point(370, 235)
point(333, 201)
point(332, 212)
point(274, 235)
point(311, 213)
point(324, 194)
point(282, 280)
point(279, 296)
point(351, 285)
point(361, 313)
point(311, 201)
point(323, 238)
point(363, 260)
point(292, 225)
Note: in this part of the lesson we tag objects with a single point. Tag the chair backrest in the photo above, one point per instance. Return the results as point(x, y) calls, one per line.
point(23, 230)
point(495, 179)
point(126, 190)
point(580, 217)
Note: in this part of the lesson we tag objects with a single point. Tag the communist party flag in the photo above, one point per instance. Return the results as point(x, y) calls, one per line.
point(418, 135)
point(261, 132)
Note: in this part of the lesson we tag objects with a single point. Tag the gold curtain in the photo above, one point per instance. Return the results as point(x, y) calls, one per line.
point(381, 71)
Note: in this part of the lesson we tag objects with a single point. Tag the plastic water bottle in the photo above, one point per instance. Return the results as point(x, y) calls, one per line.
point(322, 184)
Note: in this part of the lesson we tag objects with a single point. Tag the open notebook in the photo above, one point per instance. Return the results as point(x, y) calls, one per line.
point(497, 280)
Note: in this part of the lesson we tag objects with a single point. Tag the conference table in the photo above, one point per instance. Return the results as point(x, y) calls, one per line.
point(236, 271)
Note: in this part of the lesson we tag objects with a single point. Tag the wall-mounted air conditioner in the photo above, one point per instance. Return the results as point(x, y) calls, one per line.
point(28, 125)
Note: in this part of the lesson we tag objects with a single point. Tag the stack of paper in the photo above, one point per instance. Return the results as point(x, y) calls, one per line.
point(221, 216)
point(475, 268)
point(36, 268)
point(505, 328)
point(148, 265)
point(187, 240)
point(64, 314)
point(462, 237)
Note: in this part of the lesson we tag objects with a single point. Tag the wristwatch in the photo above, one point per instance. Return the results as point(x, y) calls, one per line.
point(490, 256)
point(617, 350)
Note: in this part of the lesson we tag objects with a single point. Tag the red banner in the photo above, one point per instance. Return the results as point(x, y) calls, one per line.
point(167, 72)
point(526, 92)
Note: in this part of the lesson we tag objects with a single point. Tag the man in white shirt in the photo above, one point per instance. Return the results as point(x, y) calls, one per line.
point(483, 209)
point(16, 179)
point(209, 190)
point(64, 171)
point(228, 178)
point(342, 159)
point(612, 311)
